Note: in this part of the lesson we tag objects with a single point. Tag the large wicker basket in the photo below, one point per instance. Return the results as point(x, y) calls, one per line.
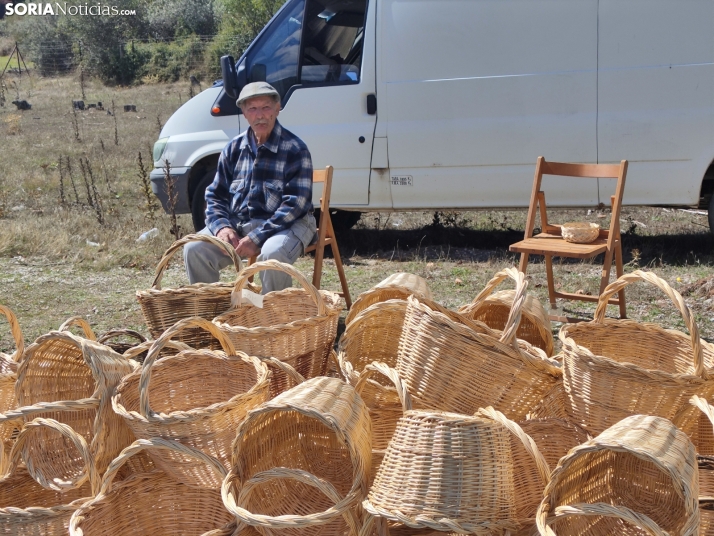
point(162, 308)
point(642, 465)
point(66, 369)
point(8, 377)
point(452, 472)
point(616, 368)
point(197, 397)
point(398, 286)
point(300, 462)
point(450, 367)
point(493, 309)
point(152, 503)
point(28, 509)
point(297, 326)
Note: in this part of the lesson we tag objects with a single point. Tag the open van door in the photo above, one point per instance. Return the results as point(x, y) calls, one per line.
point(319, 54)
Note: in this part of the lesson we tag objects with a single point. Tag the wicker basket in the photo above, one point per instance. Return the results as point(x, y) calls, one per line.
point(28, 509)
point(450, 367)
point(493, 310)
point(65, 369)
point(297, 326)
point(300, 462)
point(616, 368)
point(119, 346)
point(580, 232)
point(398, 286)
point(79, 322)
point(452, 472)
point(162, 308)
point(199, 399)
point(153, 503)
point(8, 377)
point(643, 466)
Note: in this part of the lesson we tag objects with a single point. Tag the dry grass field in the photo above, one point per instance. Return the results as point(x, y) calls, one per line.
point(60, 258)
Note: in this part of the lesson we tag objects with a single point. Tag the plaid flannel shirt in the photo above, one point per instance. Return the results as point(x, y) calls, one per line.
point(275, 185)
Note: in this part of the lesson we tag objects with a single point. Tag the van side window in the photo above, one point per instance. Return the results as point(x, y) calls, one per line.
point(332, 42)
point(277, 51)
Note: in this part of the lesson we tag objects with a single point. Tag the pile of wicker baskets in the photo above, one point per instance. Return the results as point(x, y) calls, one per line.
point(464, 422)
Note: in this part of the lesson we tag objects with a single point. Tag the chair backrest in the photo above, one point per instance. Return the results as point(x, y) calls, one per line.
point(325, 177)
point(563, 169)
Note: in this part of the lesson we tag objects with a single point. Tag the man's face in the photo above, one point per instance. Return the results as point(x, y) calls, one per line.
point(261, 113)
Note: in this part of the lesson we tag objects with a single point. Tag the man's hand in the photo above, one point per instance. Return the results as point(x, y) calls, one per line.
point(247, 248)
point(227, 234)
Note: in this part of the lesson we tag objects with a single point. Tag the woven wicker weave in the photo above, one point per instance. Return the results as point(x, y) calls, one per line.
point(63, 368)
point(28, 509)
point(398, 286)
point(162, 308)
point(552, 406)
point(616, 368)
point(297, 326)
point(493, 309)
point(300, 462)
point(643, 464)
point(8, 377)
point(450, 367)
point(452, 472)
point(199, 398)
point(152, 503)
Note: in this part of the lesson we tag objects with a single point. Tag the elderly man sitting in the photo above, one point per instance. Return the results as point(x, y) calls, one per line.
point(260, 201)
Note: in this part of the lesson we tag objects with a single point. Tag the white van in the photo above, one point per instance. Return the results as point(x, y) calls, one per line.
point(445, 104)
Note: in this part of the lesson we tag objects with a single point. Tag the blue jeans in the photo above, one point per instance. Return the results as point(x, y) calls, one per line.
point(204, 261)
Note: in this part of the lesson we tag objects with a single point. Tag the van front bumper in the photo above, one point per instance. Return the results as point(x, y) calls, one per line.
point(179, 176)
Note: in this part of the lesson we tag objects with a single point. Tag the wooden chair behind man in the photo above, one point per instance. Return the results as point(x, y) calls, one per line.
point(325, 236)
point(550, 243)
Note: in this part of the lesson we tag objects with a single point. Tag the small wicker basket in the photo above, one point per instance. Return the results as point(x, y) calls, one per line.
point(493, 308)
point(199, 398)
point(28, 509)
point(297, 326)
point(153, 503)
point(162, 308)
point(300, 462)
point(8, 376)
point(399, 286)
point(580, 232)
point(643, 468)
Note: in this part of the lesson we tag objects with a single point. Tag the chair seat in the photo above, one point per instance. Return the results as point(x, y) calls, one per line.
point(556, 246)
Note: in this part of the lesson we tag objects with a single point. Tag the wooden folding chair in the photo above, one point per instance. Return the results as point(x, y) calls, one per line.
point(550, 243)
point(325, 236)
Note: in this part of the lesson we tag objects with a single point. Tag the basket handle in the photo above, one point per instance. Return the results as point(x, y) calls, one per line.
point(272, 264)
point(161, 342)
point(293, 374)
point(343, 506)
point(81, 323)
point(160, 444)
point(404, 397)
point(16, 333)
point(164, 262)
point(90, 471)
point(131, 353)
point(526, 440)
point(676, 297)
point(598, 509)
point(114, 333)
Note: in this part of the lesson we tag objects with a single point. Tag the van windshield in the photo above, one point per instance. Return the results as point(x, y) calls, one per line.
point(313, 42)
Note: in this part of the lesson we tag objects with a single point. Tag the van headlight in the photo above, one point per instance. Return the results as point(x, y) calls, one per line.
point(159, 147)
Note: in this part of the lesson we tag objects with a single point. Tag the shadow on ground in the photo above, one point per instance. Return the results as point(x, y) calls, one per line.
point(457, 243)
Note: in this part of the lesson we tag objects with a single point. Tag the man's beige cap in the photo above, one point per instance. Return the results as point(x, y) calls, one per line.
point(256, 89)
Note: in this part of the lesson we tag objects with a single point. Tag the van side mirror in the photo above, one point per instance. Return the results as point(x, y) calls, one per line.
point(258, 73)
point(230, 79)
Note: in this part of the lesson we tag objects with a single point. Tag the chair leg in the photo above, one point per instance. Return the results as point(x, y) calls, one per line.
point(341, 273)
point(251, 261)
point(620, 271)
point(551, 280)
point(524, 262)
point(317, 270)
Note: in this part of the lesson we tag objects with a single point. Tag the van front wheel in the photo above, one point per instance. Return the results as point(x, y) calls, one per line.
point(198, 199)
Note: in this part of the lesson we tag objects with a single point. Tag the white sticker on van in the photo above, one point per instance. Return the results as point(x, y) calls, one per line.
point(402, 180)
